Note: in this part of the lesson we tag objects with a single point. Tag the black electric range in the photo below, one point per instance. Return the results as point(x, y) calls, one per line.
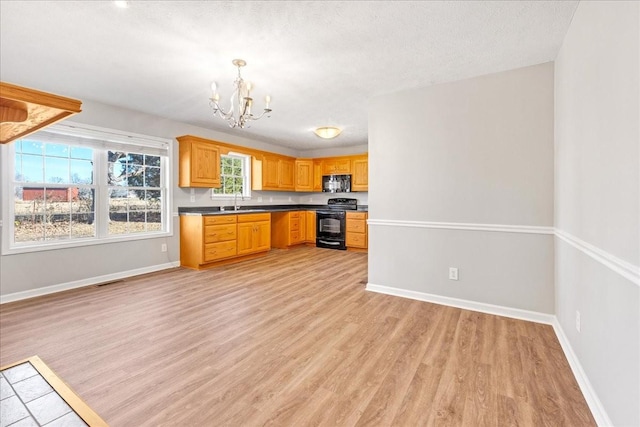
point(331, 223)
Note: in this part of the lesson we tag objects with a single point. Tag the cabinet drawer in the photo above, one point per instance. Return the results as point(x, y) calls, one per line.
point(295, 236)
point(219, 233)
point(294, 224)
point(219, 219)
point(356, 226)
point(214, 251)
point(356, 215)
point(294, 214)
point(254, 217)
point(356, 240)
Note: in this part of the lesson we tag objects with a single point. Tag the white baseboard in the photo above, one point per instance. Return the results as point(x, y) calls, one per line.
point(16, 296)
point(516, 313)
point(597, 410)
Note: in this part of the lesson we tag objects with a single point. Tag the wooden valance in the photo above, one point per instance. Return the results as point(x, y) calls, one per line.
point(24, 111)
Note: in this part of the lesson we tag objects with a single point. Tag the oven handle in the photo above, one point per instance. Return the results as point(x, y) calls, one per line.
point(329, 243)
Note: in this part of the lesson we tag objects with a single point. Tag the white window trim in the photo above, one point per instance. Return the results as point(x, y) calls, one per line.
point(246, 168)
point(126, 141)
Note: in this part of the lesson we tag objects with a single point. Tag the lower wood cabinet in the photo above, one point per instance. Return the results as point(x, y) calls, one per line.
point(254, 233)
point(292, 228)
point(310, 227)
point(357, 231)
point(205, 240)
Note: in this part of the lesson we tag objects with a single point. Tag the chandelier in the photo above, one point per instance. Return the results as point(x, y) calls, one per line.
point(239, 112)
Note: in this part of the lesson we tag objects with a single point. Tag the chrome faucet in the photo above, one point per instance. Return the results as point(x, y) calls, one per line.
point(235, 200)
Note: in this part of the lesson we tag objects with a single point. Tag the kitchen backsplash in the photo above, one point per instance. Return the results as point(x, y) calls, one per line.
point(202, 197)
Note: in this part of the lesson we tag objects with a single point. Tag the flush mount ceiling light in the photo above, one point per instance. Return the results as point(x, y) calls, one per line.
point(239, 112)
point(122, 4)
point(328, 132)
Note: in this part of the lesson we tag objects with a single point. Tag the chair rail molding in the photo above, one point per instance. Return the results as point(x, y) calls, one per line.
point(625, 269)
point(530, 229)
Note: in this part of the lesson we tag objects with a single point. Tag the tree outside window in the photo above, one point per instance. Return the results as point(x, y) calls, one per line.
point(234, 176)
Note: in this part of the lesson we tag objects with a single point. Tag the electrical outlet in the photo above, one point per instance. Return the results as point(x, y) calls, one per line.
point(192, 197)
point(163, 247)
point(453, 273)
point(260, 199)
point(578, 326)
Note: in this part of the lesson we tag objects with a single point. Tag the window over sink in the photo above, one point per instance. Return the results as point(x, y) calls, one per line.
point(235, 177)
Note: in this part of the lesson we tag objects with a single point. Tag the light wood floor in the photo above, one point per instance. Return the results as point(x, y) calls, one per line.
point(290, 339)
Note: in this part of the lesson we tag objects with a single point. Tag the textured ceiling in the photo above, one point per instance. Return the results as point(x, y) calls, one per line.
point(319, 60)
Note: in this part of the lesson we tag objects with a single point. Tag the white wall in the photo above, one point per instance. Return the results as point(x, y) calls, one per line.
point(336, 151)
point(29, 273)
point(479, 152)
point(597, 200)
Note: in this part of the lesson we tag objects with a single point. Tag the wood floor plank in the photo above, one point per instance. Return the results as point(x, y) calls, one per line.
point(290, 339)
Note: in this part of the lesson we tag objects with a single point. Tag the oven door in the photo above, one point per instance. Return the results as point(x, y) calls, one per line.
point(330, 229)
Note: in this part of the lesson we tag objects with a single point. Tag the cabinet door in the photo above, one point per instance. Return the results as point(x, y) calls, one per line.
point(262, 236)
point(270, 179)
point(317, 176)
point(245, 238)
point(286, 172)
point(310, 231)
point(199, 164)
point(343, 166)
point(304, 175)
point(336, 166)
point(303, 226)
point(328, 167)
point(360, 174)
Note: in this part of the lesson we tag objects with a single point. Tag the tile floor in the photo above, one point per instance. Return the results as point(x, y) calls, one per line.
point(26, 400)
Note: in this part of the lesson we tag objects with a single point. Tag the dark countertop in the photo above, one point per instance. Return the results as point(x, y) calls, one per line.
point(228, 210)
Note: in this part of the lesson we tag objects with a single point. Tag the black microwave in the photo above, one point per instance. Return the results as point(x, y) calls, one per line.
point(336, 183)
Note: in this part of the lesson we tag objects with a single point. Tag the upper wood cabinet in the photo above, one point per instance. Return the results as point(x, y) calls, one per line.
point(304, 175)
point(199, 163)
point(360, 173)
point(317, 175)
point(272, 172)
point(286, 173)
point(200, 167)
point(336, 166)
point(24, 111)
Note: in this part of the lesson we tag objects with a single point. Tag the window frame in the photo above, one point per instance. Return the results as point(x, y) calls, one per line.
point(246, 175)
point(105, 140)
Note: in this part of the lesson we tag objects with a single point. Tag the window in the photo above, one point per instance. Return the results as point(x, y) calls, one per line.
point(75, 185)
point(135, 192)
point(234, 176)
